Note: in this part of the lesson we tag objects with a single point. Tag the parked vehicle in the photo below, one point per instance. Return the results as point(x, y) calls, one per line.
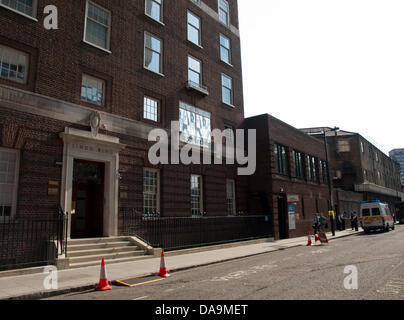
point(376, 215)
point(400, 212)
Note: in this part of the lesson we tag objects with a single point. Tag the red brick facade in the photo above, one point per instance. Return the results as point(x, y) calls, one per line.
point(267, 186)
point(33, 115)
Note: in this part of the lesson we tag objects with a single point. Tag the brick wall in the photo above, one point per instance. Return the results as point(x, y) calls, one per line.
point(266, 185)
point(58, 58)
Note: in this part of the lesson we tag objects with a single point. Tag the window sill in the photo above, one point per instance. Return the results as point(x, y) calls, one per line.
point(194, 44)
point(229, 105)
point(97, 47)
point(18, 12)
point(226, 63)
point(159, 22)
point(152, 71)
point(199, 88)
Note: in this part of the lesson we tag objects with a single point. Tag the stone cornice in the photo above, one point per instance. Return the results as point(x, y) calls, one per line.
point(36, 104)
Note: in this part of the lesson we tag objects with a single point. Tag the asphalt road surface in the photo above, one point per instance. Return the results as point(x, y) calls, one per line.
point(308, 273)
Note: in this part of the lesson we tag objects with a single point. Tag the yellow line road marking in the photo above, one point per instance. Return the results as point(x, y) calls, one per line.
point(139, 284)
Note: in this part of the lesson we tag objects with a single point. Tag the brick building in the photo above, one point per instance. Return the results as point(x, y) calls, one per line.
point(291, 178)
point(360, 171)
point(398, 155)
point(77, 105)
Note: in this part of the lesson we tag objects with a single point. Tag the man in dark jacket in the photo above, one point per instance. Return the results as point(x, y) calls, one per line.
point(354, 222)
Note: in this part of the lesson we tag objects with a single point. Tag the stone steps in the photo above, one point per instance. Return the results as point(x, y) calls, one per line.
point(89, 252)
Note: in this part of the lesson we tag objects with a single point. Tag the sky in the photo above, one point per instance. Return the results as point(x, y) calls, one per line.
point(315, 63)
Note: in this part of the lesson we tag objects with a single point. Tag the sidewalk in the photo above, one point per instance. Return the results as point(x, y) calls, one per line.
point(32, 287)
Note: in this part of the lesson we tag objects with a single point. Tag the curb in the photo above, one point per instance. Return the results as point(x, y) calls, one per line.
point(49, 294)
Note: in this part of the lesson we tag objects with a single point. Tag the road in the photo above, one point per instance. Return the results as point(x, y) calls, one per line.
point(308, 273)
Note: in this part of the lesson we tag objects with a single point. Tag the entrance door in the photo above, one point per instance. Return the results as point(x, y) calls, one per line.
point(87, 199)
point(283, 217)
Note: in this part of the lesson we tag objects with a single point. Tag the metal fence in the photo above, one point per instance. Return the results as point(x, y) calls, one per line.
point(29, 241)
point(185, 232)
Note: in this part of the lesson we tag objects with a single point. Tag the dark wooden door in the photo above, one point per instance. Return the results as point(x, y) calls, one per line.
point(88, 200)
point(283, 217)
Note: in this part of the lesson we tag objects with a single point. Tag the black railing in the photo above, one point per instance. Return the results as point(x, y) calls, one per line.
point(30, 241)
point(186, 232)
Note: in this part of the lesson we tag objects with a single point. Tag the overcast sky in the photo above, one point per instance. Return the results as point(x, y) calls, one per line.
point(326, 63)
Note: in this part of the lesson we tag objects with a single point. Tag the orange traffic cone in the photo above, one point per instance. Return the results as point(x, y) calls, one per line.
point(163, 270)
point(104, 284)
point(309, 240)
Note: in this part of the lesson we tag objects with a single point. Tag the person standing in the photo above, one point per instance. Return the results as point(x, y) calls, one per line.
point(323, 223)
point(343, 226)
point(316, 223)
point(354, 222)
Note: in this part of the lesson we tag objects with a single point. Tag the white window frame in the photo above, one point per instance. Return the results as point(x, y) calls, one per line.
point(200, 72)
point(158, 190)
point(34, 10)
point(231, 104)
point(161, 11)
point(160, 72)
point(107, 49)
point(185, 136)
point(200, 196)
point(157, 110)
point(224, 48)
point(27, 58)
point(16, 183)
point(233, 183)
point(199, 44)
point(104, 89)
point(227, 23)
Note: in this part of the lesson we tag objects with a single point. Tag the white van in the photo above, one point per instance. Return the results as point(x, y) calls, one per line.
point(376, 215)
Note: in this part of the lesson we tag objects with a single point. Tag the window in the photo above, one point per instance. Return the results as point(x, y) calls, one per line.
point(281, 159)
point(153, 53)
point(27, 7)
point(375, 212)
point(196, 196)
point(154, 9)
point(299, 165)
point(195, 125)
point(150, 109)
point(227, 90)
point(13, 64)
point(362, 147)
point(231, 197)
point(366, 212)
point(312, 168)
point(225, 52)
point(93, 90)
point(224, 12)
point(229, 133)
point(324, 172)
point(343, 146)
point(98, 26)
point(9, 162)
point(151, 191)
point(194, 28)
point(194, 71)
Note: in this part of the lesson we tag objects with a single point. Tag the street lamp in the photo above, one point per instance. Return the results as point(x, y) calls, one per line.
point(331, 212)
